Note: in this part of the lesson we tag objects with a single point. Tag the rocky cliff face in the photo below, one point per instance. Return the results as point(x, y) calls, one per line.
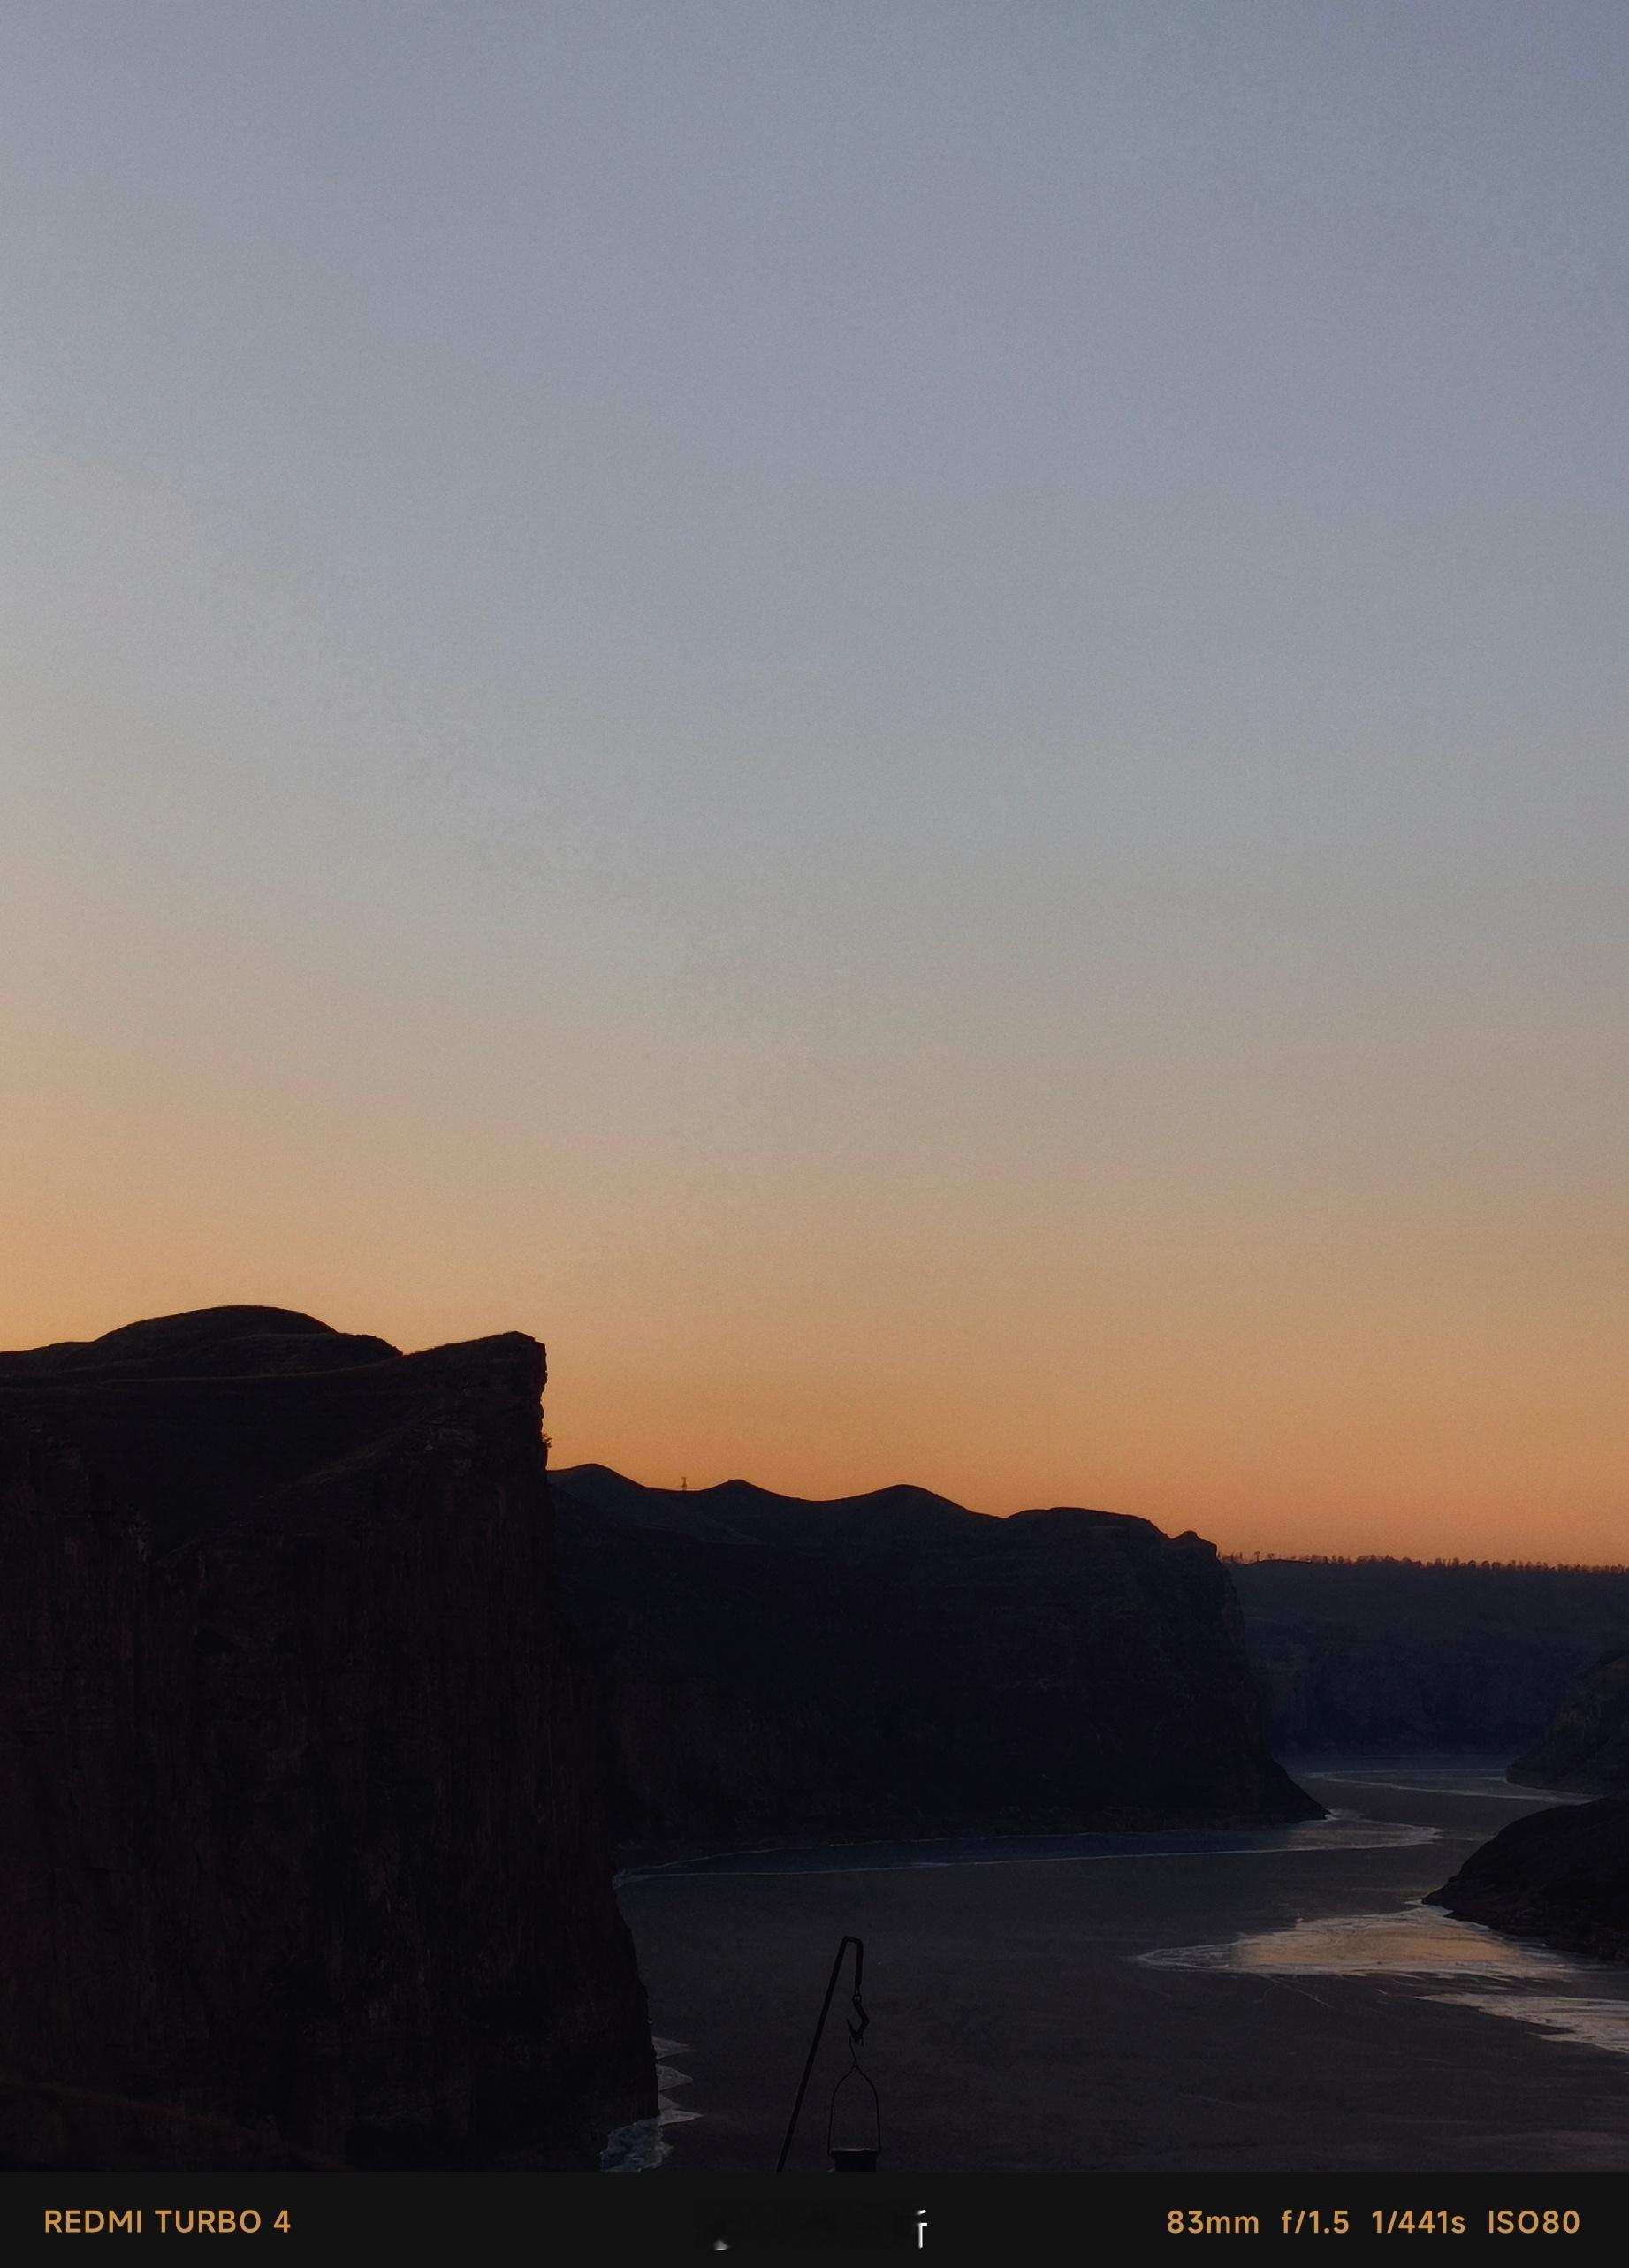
point(305, 1859)
point(1584, 1747)
point(893, 1664)
point(1562, 1876)
point(1391, 1655)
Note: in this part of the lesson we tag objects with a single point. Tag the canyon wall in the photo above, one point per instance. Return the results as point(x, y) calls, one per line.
point(893, 1666)
point(1386, 1654)
point(306, 1859)
point(1585, 1746)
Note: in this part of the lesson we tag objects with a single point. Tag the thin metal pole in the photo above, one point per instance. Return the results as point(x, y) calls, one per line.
point(814, 2045)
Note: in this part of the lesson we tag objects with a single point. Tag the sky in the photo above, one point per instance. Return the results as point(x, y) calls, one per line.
point(905, 719)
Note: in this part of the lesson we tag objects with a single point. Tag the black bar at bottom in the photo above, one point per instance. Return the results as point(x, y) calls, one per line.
point(941, 2220)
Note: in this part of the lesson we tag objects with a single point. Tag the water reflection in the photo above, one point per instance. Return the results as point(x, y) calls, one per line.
point(1529, 1981)
point(1416, 1941)
point(1427, 1776)
point(1592, 2023)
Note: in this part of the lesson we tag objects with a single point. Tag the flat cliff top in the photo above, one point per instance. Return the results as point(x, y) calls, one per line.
point(205, 1342)
point(198, 1421)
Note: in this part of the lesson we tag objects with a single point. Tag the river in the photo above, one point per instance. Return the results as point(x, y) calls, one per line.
point(1255, 2000)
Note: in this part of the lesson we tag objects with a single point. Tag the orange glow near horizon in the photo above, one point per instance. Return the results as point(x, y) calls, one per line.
point(1320, 1389)
point(1307, 1270)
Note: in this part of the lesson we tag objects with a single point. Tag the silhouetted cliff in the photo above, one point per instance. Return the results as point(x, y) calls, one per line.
point(892, 1664)
point(305, 1859)
point(1393, 1654)
point(1562, 1876)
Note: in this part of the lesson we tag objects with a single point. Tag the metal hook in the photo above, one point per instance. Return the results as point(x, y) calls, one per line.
point(856, 2033)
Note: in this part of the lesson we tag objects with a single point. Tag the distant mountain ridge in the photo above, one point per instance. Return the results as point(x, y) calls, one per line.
point(857, 1526)
point(742, 1508)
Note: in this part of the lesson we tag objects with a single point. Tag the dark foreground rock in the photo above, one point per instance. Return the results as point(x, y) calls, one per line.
point(306, 1861)
point(892, 1665)
point(1561, 1875)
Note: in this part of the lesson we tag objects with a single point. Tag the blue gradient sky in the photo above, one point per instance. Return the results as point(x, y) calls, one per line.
point(906, 720)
